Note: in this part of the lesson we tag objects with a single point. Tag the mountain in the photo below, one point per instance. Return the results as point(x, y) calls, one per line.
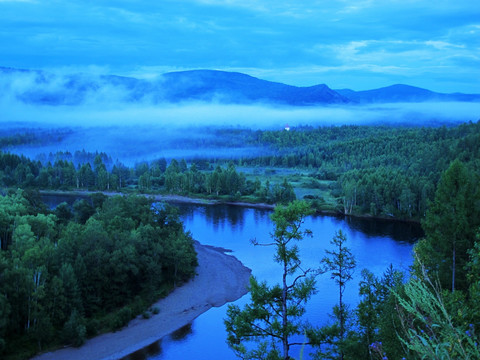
point(233, 87)
point(40, 87)
point(403, 93)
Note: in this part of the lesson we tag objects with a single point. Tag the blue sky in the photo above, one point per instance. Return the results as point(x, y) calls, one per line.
point(360, 44)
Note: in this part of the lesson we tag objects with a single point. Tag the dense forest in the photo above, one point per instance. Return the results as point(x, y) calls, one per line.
point(69, 274)
point(92, 173)
point(377, 170)
point(368, 170)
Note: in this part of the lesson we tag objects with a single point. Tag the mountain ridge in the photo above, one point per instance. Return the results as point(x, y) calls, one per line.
point(404, 93)
point(42, 87)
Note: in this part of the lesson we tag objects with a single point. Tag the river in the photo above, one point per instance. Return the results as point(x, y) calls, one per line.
point(375, 244)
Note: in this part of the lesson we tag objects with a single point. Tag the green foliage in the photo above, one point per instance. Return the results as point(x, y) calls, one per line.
point(450, 226)
point(74, 330)
point(384, 171)
point(377, 170)
point(430, 330)
point(340, 263)
point(377, 322)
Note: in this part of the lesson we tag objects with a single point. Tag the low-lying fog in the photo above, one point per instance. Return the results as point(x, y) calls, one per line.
point(143, 131)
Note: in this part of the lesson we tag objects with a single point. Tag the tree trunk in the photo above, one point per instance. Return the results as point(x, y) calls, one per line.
point(453, 265)
point(284, 313)
point(342, 320)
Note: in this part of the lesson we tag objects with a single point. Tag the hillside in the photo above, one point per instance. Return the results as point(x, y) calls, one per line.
point(40, 87)
point(403, 93)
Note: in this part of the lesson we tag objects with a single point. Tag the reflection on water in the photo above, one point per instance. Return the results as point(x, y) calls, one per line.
point(397, 230)
point(221, 216)
point(149, 351)
point(182, 333)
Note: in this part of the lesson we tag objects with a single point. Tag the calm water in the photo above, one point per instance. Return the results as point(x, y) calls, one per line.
point(375, 245)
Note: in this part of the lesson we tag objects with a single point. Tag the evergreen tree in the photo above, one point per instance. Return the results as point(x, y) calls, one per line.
point(340, 263)
point(450, 226)
point(275, 313)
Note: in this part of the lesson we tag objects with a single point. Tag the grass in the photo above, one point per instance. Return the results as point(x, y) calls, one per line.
point(305, 185)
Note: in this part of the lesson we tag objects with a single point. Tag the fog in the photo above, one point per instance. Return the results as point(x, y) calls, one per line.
point(257, 116)
point(121, 121)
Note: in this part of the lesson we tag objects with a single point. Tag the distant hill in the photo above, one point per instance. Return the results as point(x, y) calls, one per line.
point(233, 87)
point(403, 93)
point(41, 87)
point(175, 87)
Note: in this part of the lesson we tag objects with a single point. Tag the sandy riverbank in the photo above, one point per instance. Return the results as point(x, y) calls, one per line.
point(221, 278)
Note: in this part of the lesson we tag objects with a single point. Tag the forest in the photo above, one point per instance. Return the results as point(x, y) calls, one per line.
point(71, 273)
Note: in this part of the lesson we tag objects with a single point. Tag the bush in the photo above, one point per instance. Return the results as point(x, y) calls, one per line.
point(121, 318)
point(146, 315)
point(93, 327)
point(74, 330)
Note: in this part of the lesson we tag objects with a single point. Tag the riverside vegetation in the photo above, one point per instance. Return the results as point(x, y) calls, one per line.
point(426, 174)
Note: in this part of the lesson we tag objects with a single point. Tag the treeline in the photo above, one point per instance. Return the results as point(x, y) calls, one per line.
point(221, 181)
point(68, 274)
point(11, 137)
point(177, 177)
point(378, 170)
point(77, 158)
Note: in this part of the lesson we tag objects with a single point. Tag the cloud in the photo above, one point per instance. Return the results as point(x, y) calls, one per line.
point(388, 38)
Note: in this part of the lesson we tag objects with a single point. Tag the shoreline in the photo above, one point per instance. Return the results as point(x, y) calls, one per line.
point(199, 201)
point(220, 279)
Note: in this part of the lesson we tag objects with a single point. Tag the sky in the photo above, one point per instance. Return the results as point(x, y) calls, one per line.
point(361, 44)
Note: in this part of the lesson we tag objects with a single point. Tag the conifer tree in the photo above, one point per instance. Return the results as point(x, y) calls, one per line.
point(450, 226)
point(275, 314)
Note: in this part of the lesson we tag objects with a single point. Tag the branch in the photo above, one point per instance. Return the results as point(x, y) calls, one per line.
point(304, 343)
point(305, 273)
point(255, 242)
point(297, 278)
point(265, 332)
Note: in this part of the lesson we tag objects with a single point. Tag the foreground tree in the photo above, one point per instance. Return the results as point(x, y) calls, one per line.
point(450, 226)
point(274, 315)
point(341, 263)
